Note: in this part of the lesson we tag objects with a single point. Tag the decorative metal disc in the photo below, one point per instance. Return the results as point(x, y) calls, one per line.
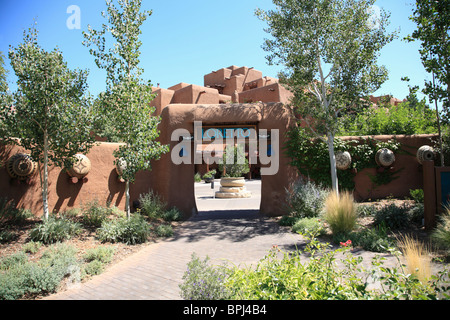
point(425, 153)
point(21, 166)
point(343, 160)
point(385, 157)
point(81, 167)
point(120, 166)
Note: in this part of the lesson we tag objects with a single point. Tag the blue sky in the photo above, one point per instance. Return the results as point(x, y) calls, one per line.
point(184, 40)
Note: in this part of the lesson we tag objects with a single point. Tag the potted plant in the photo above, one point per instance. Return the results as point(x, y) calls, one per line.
point(233, 166)
point(209, 176)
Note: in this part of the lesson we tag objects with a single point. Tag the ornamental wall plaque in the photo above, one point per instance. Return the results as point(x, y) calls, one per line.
point(21, 166)
point(385, 157)
point(343, 160)
point(81, 167)
point(425, 153)
point(121, 165)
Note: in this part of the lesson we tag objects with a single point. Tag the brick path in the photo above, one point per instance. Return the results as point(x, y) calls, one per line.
point(220, 231)
point(154, 273)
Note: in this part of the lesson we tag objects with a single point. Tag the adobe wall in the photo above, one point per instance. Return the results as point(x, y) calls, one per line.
point(408, 171)
point(102, 185)
point(175, 183)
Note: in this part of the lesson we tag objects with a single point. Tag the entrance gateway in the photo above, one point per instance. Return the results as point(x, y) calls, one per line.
point(174, 180)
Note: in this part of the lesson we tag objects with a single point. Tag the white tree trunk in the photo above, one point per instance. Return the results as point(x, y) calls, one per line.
point(45, 180)
point(127, 198)
point(334, 179)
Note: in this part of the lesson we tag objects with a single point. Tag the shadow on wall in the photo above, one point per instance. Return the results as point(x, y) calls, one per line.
point(115, 188)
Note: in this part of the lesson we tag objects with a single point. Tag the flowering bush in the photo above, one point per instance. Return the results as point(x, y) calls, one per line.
point(203, 282)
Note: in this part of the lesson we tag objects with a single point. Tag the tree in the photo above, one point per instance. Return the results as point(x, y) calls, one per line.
point(329, 49)
point(433, 30)
point(49, 114)
point(126, 101)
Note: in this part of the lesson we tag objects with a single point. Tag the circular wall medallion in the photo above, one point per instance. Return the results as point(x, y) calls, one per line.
point(21, 166)
point(385, 157)
point(343, 160)
point(425, 153)
point(81, 167)
point(121, 165)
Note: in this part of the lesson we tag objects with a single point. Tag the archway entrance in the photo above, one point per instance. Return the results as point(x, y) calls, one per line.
point(174, 172)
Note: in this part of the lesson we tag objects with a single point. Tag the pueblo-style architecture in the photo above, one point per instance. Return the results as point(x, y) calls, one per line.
point(227, 85)
point(231, 100)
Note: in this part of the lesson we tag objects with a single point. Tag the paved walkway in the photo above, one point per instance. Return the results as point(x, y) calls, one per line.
point(241, 237)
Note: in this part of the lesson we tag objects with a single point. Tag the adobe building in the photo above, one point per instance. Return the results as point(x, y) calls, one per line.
point(233, 97)
point(227, 85)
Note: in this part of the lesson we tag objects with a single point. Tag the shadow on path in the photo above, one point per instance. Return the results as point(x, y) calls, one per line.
point(230, 225)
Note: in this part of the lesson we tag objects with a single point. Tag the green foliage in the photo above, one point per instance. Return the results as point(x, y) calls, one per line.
point(325, 275)
point(309, 226)
point(433, 22)
point(210, 174)
point(387, 119)
point(198, 177)
point(305, 199)
point(234, 162)
point(31, 247)
point(97, 259)
point(22, 277)
point(417, 195)
point(371, 239)
point(310, 156)
point(94, 214)
point(152, 205)
point(392, 216)
point(172, 214)
point(125, 105)
point(202, 281)
point(131, 231)
point(51, 114)
point(329, 50)
point(164, 230)
point(54, 230)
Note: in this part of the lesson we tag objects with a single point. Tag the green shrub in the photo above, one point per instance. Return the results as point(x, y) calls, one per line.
point(31, 247)
point(323, 276)
point(417, 195)
point(198, 177)
point(309, 226)
point(164, 230)
point(172, 215)
point(95, 214)
point(364, 210)
point(102, 254)
point(203, 282)
point(24, 277)
point(7, 236)
point(55, 230)
point(13, 260)
point(152, 205)
point(93, 268)
point(305, 199)
point(288, 221)
point(370, 239)
point(134, 230)
point(392, 216)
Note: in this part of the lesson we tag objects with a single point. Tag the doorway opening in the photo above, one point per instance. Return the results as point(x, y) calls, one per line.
point(212, 193)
